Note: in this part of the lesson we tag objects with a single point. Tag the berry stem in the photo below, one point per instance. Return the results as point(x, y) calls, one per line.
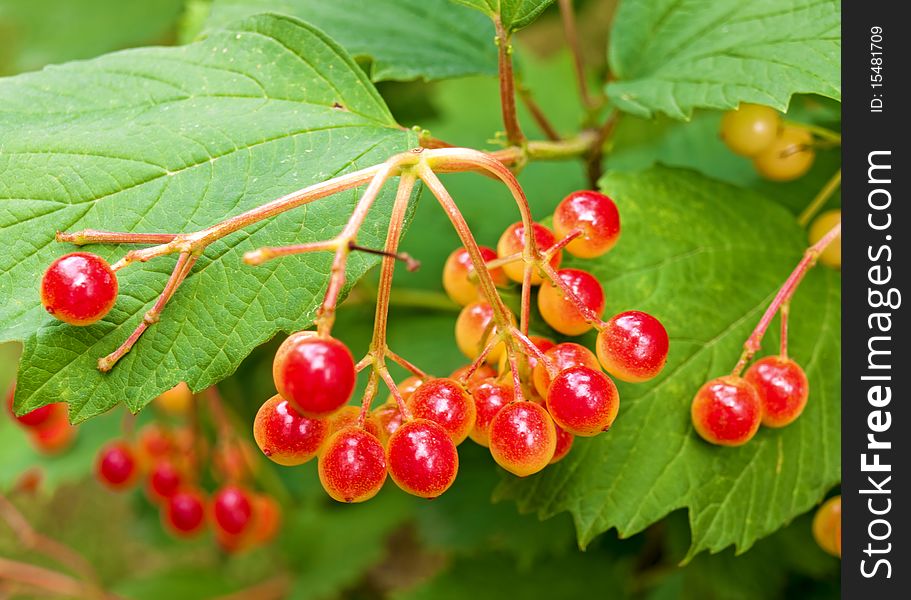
point(406, 364)
point(531, 348)
point(367, 400)
point(481, 357)
point(537, 114)
point(261, 255)
point(93, 236)
point(588, 314)
point(783, 316)
point(394, 390)
point(820, 199)
point(572, 40)
point(507, 85)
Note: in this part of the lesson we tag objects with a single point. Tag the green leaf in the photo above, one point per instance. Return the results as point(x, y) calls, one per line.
point(176, 139)
point(672, 56)
point(705, 258)
point(513, 14)
point(430, 39)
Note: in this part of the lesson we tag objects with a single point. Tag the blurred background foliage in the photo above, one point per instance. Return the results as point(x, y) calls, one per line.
point(396, 546)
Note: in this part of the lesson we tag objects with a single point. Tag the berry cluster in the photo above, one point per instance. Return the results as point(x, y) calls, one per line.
point(48, 427)
point(827, 526)
point(780, 151)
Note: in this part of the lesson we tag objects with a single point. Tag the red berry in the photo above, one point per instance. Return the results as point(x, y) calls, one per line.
point(782, 387)
point(595, 215)
point(633, 346)
point(352, 467)
point(726, 411)
point(155, 442)
point(389, 417)
point(564, 444)
point(315, 374)
point(583, 401)
point(42, 416)
point(827, 526)
point(456, 273)
point(116, 466)
point(185, 513)
point(513, 241)
point(285, 436)
point(422, 459)
point(560, 312)
point(523, 438)
point(489, 397)
point(164, 480)
point(563, 356)
point(54, 436)
point(79, 288)
point(446, 403)
point(268, 514)
point(232, 509)
point(474, 329)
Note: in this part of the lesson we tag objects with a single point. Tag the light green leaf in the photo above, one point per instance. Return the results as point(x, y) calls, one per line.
point(176, 139)
point(672, 56)
point(426, 39)
point(705, 258)
point(514, 14)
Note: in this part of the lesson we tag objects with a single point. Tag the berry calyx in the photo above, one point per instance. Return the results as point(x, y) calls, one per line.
point(513, 241)
point(595, 215)
point(457, 271)
point(347, 416)
point(560, 312)
point(563, 356)
point(116, 466)
point(446, 403)
point(79, 288)
point(232, 509)
point(788, 157)
point(422, 459)
point(474, 329)
point(831, 256)
point(583, 401)
point(352, 466)
point(164, 480)
point(489, 397)
point(564, 445)
point(285, 436)
point(782, 388)
point(185, 513)
point(176, 401)
point(389, 418)
point(633, 346)
point(827, 526)
point(522, 438)
point(315, 374)
point(726, 411)
point(750, 129)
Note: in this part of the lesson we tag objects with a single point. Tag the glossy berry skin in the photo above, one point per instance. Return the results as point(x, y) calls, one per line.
point(422, 459)
point(164, 480)
point(513, 241)
point(726, 411)
point(522, 438)
point(185, 513)
point(286, 436)
point(633, 346)
point(79, 288)
point(352, 466)
point(232, 509)
point(389, 418)
point(563, 356)
point(176, 401)
point(446, 403)
point(484, 371)
point(583, 401)
point(595, 215)
point(564, 444)
point(471, 326)
point(560, 312)
point(347, 416)
point(457, 269)
point(116, 466)
point(782, 387)
point(750, 129)
point(315, 374)
point(489, 397)
point(827, 526)
point(788, 157)
point(831, 256)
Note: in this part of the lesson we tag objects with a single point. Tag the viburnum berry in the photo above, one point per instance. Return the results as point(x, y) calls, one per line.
point(827, 526)
point(54, 436)
point(232, 509)
point(750, 129)
point(176, 401)
point(522, 438)
point(471, 326)
point(315, 374)
point(788, 157)
point(185, 512)
point(352, 466)
point(563, 356)
point(154, 442)
point(564, 444)
point(347, 416)
point(513, 241)
point(583, 401)
point(595, 215)
point(560, 312)
point(406, 387)
point(79, 288)
point(267, 519)
point(489, 397)
point(726, 411)
point(422, 459)
point(43, 416)
point(285, 436)
point(456, 275)
point(389, 418)
point(782, 388)
point(446, 403)
point(116, 466)
point(633, 346)
point(164, 480)
point(484, 371)
point(831, 256)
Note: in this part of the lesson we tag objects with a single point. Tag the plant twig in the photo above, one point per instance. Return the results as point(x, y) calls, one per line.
point(507, 85)
point(572, 40)
point(820, 199)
